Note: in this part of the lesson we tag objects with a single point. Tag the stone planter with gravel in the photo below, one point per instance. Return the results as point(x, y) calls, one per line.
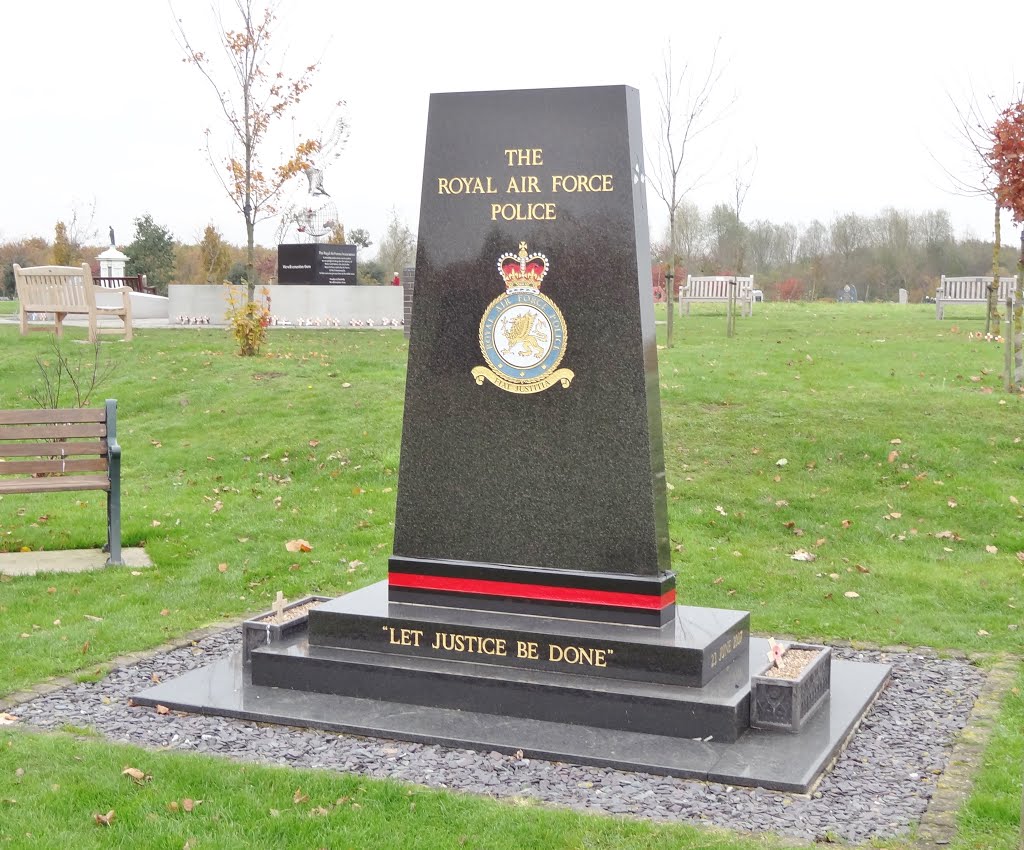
point(274, 625)
point(785, 697)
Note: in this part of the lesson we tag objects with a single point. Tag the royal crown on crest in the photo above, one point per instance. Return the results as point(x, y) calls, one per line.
point(523, 272)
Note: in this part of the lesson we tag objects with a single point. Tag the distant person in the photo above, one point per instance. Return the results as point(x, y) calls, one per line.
point(396, 281)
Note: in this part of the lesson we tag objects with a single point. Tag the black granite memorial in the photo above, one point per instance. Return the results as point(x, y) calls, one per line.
point(316, 264)
point(530, 602)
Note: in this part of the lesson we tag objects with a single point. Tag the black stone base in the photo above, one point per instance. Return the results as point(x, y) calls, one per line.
point(696, 645)
point(778, 760)
point(572, 594)
point(720, 711)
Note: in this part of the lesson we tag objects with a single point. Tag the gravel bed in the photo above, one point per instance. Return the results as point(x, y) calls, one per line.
point(879, 787)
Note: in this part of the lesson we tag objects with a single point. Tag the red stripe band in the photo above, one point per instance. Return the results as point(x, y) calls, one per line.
point(518, 590)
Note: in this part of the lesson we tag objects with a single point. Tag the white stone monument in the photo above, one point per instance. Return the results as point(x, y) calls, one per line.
point(112, 261)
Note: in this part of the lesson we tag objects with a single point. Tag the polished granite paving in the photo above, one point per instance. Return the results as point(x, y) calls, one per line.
point(777, 760)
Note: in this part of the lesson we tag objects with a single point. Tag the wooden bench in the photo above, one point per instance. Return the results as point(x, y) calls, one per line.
point(717, 289)
point(66, 290)
point(970, 290)
point(48, 451)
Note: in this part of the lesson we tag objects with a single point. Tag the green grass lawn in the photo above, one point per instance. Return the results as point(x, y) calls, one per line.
point(903, 477)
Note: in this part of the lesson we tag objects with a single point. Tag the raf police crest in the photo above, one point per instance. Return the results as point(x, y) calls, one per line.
point(522, 332)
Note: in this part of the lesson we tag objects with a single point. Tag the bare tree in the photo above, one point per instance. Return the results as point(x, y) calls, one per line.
point(742, 179)
point(253, 93)
point(686, 109)
point(397, 248)
point(973, 123)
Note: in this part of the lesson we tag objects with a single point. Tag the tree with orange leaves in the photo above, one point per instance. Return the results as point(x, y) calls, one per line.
point(255, 97)
point(1007, 159)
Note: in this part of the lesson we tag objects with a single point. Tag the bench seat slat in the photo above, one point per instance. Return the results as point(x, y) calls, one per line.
point(56, 484)
point(52, 450)
point(60, 466)
point(44, 432)
point(39, 417)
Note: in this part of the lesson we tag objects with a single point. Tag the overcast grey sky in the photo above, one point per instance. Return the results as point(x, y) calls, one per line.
point(847, 105)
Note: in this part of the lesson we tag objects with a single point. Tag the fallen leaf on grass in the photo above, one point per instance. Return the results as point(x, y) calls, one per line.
point(781, 462)
point(104, 820)
point(298, 797)
point(893, 515)
point(138, 776)
point(952, 503)
point(164, 612)
point(781, 503)
point(721, 510)
point(896, 442)
point(893, 455)
point(718, 580)
point(222, 568)
point(298, 546)
point(189, 804)
point(217, 506)
point(861, 568)
point(982, 633)
point(802, 555)
point(851, 594)
point(947, 535)
point(92, 618)
point(314, 443)
point(992, 550)
point(7, 719)
point(1014, 500)
point(155, 523)
point(1020, 557)
point(846, 523)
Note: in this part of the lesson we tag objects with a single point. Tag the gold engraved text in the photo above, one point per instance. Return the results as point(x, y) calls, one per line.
point(524, 156)
point(582, 183)
point(728, 646)
point(404, 637)
point(473, 644)
point(523, 212)
point(578, 655)
point(465, 186)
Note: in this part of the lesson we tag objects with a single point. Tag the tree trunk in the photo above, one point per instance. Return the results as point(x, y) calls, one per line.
point(993, 291)
point(670, 301)
point(250, 253)
point(1018, 318)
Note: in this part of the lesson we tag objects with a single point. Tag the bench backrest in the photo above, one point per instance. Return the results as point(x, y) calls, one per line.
point(55, 286)
point(974, 288)
point(718, 286)
point(53, 442)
